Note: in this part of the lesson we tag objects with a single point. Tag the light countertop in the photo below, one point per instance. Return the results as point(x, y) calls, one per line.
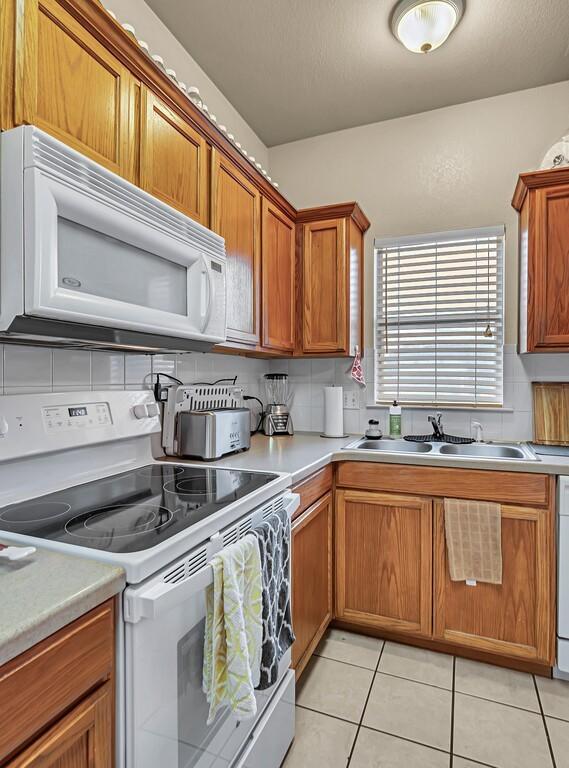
point(300, 455)
point(305, 452)
point(45, 591)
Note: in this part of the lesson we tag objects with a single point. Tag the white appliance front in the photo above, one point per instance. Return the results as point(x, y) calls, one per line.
point(98, 250)
point(166, 710)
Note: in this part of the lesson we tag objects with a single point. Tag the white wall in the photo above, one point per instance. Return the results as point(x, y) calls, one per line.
point(161, 41)
point(451, 168)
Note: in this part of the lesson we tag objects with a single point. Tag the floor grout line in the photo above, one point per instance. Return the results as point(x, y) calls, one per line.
point(413, 680)
point(452, 712)
point(556, 717)
point(406, 738)
point(365, 706)
point(544, 722)
point(501, 703)
point(326, 714)
point(476, 762)
point(347, 663)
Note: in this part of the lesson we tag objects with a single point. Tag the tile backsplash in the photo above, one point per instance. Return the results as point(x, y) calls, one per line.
point(513, 422)
point(27, 369)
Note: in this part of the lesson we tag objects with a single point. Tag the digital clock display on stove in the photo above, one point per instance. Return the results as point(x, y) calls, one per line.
point(77, 411)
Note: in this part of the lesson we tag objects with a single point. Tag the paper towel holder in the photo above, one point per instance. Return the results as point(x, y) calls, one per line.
point(323, 434)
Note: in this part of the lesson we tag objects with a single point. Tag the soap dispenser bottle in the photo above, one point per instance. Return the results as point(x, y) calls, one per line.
point(395, 420)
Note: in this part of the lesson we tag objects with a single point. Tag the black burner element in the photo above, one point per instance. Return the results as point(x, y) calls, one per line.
point(34, 512)
point(132, 511)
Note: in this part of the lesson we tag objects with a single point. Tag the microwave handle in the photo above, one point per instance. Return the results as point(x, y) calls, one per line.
point(159, 598)
point(210, 294)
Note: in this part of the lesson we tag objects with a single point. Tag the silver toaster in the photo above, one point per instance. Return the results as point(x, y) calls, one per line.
point(211, 434)
point(205, 421)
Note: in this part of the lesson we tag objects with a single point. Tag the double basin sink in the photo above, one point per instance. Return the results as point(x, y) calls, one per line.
point(469, 451)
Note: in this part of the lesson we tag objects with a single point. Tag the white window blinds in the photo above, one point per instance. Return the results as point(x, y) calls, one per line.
point(439, 318)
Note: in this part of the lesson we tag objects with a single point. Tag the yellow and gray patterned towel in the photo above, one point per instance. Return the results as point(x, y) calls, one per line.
point(233, 630)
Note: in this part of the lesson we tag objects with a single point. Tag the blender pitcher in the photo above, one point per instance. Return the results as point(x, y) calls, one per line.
point(277, 419)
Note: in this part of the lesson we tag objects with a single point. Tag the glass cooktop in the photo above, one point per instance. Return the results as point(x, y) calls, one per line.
point(134, 510)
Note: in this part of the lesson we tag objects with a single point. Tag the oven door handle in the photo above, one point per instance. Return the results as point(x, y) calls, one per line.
point(156, 599)
point(159, 598)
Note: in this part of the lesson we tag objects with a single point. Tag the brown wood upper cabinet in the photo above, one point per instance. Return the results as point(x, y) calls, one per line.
point(173, 159)
point(331, 269)
point(236, 216)
point(59, 77)
point(542, 199)
point(278, 281)
point(383, 560)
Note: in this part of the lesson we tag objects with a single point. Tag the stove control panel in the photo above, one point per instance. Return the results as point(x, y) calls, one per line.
point(61, 418)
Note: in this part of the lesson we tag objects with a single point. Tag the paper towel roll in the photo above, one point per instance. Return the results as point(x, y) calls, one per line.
point(333, 412)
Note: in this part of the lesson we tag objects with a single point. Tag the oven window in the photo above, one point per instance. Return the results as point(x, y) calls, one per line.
point(100, 265)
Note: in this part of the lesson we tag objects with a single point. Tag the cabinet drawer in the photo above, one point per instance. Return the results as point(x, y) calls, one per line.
point(40, 684)
point(311, 489)
point(478, 484)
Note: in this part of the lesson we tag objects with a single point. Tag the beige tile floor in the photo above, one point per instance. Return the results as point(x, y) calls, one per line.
point(364, 703)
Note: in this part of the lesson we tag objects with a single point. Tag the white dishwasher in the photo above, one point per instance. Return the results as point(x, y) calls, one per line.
point(563, 579)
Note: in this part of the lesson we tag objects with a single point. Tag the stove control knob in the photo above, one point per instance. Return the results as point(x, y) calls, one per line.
point(140, 411)
point(152, 409)
point(3, 426)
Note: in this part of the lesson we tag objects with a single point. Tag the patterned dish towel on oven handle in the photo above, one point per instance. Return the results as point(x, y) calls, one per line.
point(233, 630)
point(273, 536)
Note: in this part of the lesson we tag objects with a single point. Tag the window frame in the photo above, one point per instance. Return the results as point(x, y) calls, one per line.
point(448, 236)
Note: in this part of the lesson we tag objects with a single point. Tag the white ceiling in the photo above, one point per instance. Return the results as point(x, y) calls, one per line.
point(299, 68)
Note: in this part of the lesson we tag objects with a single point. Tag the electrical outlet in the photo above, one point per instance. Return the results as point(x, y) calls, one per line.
point(351, 400)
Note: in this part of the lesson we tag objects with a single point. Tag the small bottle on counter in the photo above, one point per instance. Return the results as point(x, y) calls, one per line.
point(395, 420)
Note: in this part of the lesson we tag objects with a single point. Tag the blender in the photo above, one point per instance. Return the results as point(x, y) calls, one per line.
point(277, 419)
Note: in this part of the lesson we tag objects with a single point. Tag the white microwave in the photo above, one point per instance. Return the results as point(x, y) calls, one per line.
point(88, 258)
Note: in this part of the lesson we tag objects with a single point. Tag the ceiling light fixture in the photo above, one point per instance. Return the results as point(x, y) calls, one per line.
point(423, 25)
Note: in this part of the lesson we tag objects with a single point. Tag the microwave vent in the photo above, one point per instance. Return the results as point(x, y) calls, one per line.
point(73, 169)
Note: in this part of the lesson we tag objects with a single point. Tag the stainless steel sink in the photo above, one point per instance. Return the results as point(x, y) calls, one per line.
point(484, 451)
point(391, 446)
point(520, 452)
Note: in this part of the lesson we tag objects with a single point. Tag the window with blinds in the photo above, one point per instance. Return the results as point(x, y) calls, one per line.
point(439, 318)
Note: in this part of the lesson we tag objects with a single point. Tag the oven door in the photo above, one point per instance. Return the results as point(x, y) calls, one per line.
point(93, 261)
point(166, 709)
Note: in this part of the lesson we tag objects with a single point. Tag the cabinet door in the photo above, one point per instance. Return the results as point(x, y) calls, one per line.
point(173, 159)
point(548, 289)
point(324, 290)
point(515, 618)
point(278, 266)
point(311, 579)
point(236, 216)
point(69, 85)
point(81, 739)
point(383, 560)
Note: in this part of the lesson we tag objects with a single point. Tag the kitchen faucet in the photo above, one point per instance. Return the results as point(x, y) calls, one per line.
point(437, 423)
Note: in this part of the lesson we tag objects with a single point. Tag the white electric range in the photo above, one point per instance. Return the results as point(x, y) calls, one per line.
point(77, 475)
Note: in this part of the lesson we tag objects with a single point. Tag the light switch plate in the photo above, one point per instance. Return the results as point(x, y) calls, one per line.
point(351, 400)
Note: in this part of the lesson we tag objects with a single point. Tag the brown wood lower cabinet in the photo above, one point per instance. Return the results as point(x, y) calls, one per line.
point(57, 698)
point(81, 739)
point(514, 618)
point(383, 560)
point(312, 602)
point(392, 574)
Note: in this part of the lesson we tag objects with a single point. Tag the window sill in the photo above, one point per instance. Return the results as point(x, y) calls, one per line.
point(469, 408)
